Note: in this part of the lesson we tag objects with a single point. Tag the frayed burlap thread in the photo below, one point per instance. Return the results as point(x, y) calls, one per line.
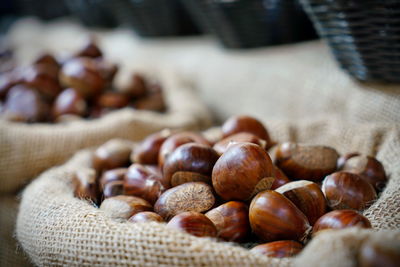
point(28, 149)
point(56, 229)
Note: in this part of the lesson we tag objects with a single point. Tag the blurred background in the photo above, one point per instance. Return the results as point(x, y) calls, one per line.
point(274, 59)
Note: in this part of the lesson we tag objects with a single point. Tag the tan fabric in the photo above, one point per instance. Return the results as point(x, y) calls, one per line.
point(10, 253)
point(28, 149)
point(55, 228)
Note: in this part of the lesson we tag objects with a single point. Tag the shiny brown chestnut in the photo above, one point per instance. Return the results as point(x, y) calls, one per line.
point(137, 86)
point(280, 178)
point(176, 140)
point(231, 220)
point(43, 78)
point(112, 175)
point(112, 154)
point(238, 124)
point(90, 49)
point(112, 100)
point(345, 190)
point(71, 102)
point(85, 184)
point(190, 163)
point(84, 75)
point(193, 196)
point(278, 249)
point(147, 151)
point(153, 102)
point(306, 162)
point(274, 217)
point(47, 59)
point(344, 158)
point(242, 171)
point(193, 223)
point(340, 219)
point(146, 216)
point(379, 253)
point(307, 196)
point(124, 207)
point(369, 168)
point(243, 137)
point(113, 188)
point(141, 182)
point(25, 104)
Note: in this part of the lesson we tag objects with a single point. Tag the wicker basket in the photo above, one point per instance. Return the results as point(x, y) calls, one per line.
point(44, 9)
point(93, 13)
point(252, 23)
point(363, 35)
point(152, 18)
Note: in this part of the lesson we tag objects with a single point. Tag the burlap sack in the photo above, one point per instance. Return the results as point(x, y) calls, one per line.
point(28, 149)
point(56, 229)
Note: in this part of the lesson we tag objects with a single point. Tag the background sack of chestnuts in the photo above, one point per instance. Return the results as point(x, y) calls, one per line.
point(28, 149)
point(55, 228)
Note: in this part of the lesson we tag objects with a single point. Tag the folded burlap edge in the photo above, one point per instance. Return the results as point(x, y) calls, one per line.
point(28, 149)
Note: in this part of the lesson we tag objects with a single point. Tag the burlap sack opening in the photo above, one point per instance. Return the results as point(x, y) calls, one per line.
point(28, 149)
point(56, 229)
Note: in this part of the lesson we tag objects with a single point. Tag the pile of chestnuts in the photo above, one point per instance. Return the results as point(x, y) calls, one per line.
point(231, 189)
point(81, 86)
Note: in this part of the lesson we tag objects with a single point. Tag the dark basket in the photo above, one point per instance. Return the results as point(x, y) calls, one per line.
point(93, 13)
point(364, 35)
point(44, 9)
point(252, 23)
point(152, 18)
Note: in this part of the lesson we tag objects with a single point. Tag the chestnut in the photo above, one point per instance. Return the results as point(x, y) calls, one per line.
point(176, 140)
point(70, 101)
point(344, 158)
point(190, 163)
point(146, 216)
point(274, 217)
point(280, 178)
point(153, 102)
point(43, 78)
point(141, 182)
point(113, 188)
point(238, 124)
point(124, 207)
point(193, 223)
point(84, 75)
point(112, 100)
point(147, 151)
point(112, 175)
point(90, 49)
point(137, 86)
point(231, 220)
point(193, 196)
point(223, 145)
point(306, 162)
point(379, 253)
point(112, 154)
point(278, 249)
point(25, 104)
point(345, 190)
point(340, 219)
point(47, 59)
point(242, 171)
point(369, 168)
point(307, 196)
point(85, 184)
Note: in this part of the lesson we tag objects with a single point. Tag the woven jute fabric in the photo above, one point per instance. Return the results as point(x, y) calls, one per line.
point(28, 149)
point(57, 229)
point(10, 253)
